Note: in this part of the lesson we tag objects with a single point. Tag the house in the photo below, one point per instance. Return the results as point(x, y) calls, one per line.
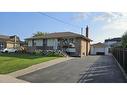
point(9, 41)
point(72, 43)
point(99, 49)
point(113, 42)
point(104, 48)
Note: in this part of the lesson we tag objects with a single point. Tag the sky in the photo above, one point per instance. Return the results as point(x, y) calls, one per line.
point(102, 25)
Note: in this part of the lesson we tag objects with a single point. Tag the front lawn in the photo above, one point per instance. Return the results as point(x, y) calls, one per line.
point(13, 62)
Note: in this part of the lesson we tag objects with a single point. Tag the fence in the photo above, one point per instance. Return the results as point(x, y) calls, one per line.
point(121, 56)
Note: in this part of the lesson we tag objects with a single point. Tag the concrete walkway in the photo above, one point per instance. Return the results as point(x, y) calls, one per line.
point(90, 69)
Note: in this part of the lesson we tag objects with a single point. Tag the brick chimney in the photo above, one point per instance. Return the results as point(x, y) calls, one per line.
point(87, 31)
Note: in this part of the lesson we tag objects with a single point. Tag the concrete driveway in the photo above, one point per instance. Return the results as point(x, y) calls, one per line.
point(90, 69)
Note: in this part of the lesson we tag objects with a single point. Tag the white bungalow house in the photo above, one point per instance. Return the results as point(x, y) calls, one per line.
point(72, 43)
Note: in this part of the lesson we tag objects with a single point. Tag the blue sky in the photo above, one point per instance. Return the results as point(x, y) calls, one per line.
point(102, 25)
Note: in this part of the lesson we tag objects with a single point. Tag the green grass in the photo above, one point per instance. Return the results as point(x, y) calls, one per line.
point(13, 62)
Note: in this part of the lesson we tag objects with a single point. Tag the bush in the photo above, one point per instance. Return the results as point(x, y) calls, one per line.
point(124, 40)
point(37, 52)
point(54, 53)
point(47, 53)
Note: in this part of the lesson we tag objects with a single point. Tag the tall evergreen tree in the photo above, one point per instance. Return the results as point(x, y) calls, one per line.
point(124, 40)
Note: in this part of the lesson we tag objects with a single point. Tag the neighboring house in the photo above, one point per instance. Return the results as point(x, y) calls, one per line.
point(99, 49)
point(113, 42)
point(9, 41)
point(72, 43)
point(104, 48)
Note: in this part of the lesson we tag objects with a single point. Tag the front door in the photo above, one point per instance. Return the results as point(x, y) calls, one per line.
point(44, 43)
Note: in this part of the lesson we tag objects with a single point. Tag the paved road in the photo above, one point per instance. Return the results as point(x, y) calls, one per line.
point(90, 69)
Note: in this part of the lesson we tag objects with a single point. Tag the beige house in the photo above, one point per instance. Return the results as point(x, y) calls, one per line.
point(9, 41)
point(72, 43)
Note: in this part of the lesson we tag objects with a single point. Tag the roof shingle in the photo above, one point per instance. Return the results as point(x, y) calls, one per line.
point(60, 35)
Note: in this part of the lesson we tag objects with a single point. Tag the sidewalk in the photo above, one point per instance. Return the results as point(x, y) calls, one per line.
point(10, 79)
point(39, 66)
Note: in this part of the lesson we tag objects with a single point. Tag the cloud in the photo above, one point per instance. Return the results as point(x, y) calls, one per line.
point(80, 16)
point(114, 22)
point(119, 21)
point(107, 17)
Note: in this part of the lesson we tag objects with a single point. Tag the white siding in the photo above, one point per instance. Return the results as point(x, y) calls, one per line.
point(38, 42)
point(52, 42)
point(106, 51)
point(101, 49)
point(30, 43)
point(110, 42)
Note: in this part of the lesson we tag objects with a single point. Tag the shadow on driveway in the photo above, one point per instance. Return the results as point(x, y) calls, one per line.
point(104, 70)
point(90, 69)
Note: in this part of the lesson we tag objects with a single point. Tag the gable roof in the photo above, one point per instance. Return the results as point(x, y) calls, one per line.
point(99, 45)
point(4, 37)
point(9, 38)
point(60, 35)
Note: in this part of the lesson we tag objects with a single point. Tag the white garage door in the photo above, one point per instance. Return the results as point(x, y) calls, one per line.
point(99, 50)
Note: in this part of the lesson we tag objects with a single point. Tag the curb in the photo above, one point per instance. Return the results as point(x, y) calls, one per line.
point(122, 70)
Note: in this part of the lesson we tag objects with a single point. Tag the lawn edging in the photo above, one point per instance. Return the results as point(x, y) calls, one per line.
point(39, 66)
point(122, 70)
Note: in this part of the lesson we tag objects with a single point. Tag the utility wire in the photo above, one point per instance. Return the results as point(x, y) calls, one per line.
point(59, 20)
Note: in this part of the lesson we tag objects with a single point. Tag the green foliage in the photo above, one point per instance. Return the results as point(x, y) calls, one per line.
point(39, 34)
point(37, 52)
point(124, 40)
point(47, 53)
point(54, 54)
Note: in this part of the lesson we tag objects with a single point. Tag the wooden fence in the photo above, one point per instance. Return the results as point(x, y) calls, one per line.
point(121, 56)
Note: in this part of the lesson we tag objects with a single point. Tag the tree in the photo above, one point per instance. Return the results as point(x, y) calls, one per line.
point(39, 34)
point(124, 40)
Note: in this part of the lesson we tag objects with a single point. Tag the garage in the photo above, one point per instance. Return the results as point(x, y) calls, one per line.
point(99, 49)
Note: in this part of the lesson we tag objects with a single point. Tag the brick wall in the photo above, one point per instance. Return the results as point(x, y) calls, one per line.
point(78, 46)
point(85, 47)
